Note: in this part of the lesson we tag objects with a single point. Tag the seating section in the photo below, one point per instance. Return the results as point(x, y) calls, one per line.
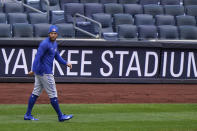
point(168, 32)
point(22, 30)
point(170, 2)
point(129, 19)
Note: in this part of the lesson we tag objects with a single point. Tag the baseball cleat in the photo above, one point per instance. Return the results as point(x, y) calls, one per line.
point(65, 117)
point(30, 117)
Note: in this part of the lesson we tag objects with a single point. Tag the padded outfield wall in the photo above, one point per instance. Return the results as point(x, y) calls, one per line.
point(97, 61)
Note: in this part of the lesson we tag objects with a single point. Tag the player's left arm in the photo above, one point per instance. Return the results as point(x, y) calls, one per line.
point(61, 60)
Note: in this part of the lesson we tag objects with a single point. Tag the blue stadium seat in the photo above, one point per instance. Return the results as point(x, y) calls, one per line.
point(70, 9)
point(35, 18)
point(66, 30)
point(41, 30)
point(22, 30)
point(128, 1)
point(1, 7)
point(113, 8)
point(168, 32)
point(108, 1)
point(3, 18)
point(5, 30)
point(57, 16)
point(185, 20)
point(144, 19)
point(34, 4)
point(189, 2)
point(191, 10)
point(53, 5)
point(174, 10)
point(11, 7)
point(146, 2)
point(17, 18)
point(165, 20)
point(105, 20)
point(62, 2)
point(93, 8)
point(133, 9)
point(89, 1)
point(127, 32)
point(147, 32)
point(188, 32)
point(170, 2)
point(153, 9)
point(107, 29)
point(120, 19)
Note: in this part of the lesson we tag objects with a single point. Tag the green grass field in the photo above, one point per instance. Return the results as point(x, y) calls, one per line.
point(103, 117)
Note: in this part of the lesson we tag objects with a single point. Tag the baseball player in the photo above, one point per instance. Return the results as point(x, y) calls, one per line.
point(44, 79)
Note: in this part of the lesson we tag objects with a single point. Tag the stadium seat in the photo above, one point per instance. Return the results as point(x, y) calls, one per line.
point(120, 19)
point(62, 2)
point(147, 32)
point(174, 10)
point(113, 8)
point(144, 19)
point(93, 8)
point(53, 5)
point(185, 20)
point(108, 1)
point(11, 7)
point(170, 2)
point(105, 20)
point(22, 30)
point(35, 18)
point(146, 2)
point(3, 18)
point(17, 18)
point(189, 2)
point(89, 1)
point(34, 4)
point(128, 1)
point(5, 30)
point(164, 20)
point(70, 9)
point(66, 30)
point(127, 32)
point(153, 9)
point(133, 9)
point(188, 32)
point(191, 10)
point(168, 32)
point(1, 7)
point(57, 16)
point(41, 30)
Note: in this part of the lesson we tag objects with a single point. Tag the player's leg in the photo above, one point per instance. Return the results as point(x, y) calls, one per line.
point(32, 100)
point(50, 87)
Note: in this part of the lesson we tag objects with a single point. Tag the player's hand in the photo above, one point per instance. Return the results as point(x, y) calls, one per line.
point(31, 73)
point(69, 65)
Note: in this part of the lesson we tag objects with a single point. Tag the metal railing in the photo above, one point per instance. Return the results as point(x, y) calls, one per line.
point(97, 36)
point(34, 9)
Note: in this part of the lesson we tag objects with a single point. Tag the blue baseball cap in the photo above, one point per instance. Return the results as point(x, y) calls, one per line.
point(53, 28)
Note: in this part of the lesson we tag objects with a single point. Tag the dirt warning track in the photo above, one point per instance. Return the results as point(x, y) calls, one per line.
point(18, 93)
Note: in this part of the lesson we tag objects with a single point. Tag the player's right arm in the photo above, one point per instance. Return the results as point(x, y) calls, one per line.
point(40, 52)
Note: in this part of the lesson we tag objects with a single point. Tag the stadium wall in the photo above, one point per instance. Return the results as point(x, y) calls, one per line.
point(98, 61)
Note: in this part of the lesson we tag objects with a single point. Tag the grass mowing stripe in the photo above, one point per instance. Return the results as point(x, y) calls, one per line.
point(105, 117)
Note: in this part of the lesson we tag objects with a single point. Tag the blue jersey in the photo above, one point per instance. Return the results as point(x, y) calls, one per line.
point(43, 62)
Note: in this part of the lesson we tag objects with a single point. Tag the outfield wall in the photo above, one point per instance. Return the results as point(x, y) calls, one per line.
point(97, 61)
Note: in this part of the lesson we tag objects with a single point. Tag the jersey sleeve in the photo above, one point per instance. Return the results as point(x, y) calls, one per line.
point(59, 58)
point(40, 52)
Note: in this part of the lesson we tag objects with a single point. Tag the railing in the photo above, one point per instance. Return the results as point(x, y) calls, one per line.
point(34, 9)
point(98, 36)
